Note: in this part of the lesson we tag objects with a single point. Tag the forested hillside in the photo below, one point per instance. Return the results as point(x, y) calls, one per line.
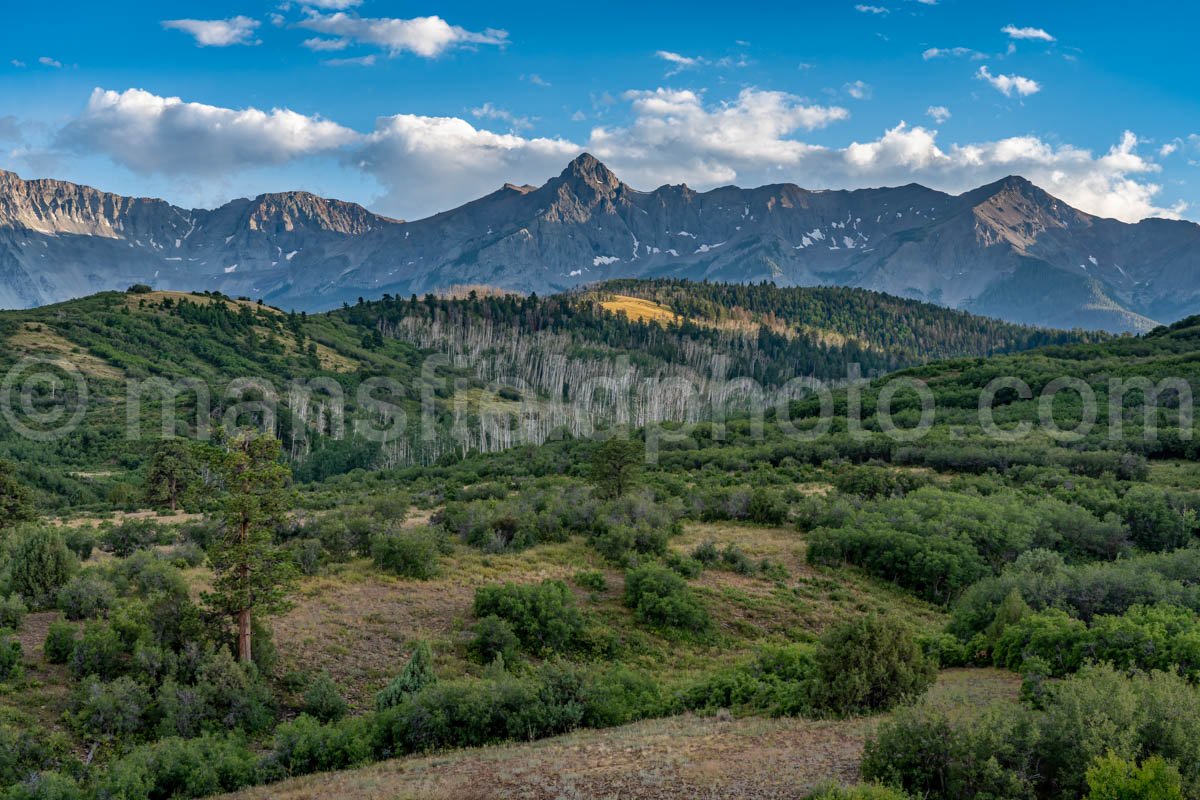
point(509, 358)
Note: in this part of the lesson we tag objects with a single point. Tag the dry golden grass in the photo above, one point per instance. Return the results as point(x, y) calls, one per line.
point(117, 517)
point(133, 301)
point(36, 340)
point(360, 624)
point(639, 310)
point(677, 757)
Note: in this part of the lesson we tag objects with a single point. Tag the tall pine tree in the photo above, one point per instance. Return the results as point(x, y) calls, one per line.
point(253, 574)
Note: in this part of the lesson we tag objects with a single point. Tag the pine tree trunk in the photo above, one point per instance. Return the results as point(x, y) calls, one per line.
point(244, 652)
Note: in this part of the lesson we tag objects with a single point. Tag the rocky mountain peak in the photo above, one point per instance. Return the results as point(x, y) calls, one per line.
point(589, 171)
point(290, 211)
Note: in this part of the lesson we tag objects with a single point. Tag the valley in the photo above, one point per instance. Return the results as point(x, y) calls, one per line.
point(620, 607)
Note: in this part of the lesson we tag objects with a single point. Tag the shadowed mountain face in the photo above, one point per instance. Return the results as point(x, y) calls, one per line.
point(1008, 249)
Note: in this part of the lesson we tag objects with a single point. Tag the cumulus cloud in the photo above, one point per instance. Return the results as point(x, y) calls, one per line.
point(217, 32)
point(938, 114)
point(427, 37)
point(1036, 34)
point(150, 134)
point(429, 164)
point(1008, 85)
point(1111, 185)
point(676, 137)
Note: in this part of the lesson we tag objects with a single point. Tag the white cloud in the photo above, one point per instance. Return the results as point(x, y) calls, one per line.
point(871, 9)
point(152, 134)
point(47, 61)
point(490, 111)
point(675, 137)
point(1036, 34)
point(16, 62)
point(319, 45)
point(1009, 84)
point(952, 52)
point(680, 62)
point(858, 90)
point(537, 80)
point(938, 114)
point(1170, 148)
point(333, 5)
point(427, 37)
point(360, 61)
point(429, 164)
point(1111, 185)
point(426, 164)
point(217, 32)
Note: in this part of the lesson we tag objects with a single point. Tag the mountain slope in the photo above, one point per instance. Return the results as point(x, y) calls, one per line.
point(1007, 249)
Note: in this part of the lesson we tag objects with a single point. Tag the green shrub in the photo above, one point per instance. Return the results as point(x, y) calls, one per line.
point(178, 768)
point(870, 664)
point(620, 695)
point(323, 700)
point(661, 599)
point(543, 616)
point(867, 792)
point(39, 564)
point(12, 613)
point(685, 566)
point(85, 597)
point(60, 642)
point(304, 746)
point(1112, 778)
point(235, 693)
point(707, 553)
point(417, 674)
point(591, 580)
point(24, 751)
point(494, 638)
point(131, 536)
point(767, 508)
point(118, 709)
point(774, 682)
point(10, 658)
point(411, 554)
point(44, 786)
point(475, 712)
point(81, 542)
point(921, 751)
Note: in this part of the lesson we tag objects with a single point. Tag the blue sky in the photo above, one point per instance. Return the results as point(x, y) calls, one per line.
point(413, 107)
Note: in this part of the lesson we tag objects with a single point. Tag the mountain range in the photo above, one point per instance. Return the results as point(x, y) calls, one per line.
point(1007, 249)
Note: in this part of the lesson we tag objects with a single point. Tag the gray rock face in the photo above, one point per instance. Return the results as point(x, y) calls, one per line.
point(1008, 249)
